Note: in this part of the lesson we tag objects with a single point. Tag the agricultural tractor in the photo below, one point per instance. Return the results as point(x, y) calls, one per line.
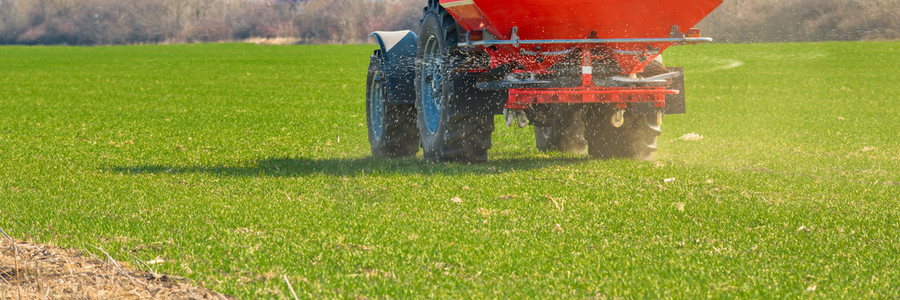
point(586, 74)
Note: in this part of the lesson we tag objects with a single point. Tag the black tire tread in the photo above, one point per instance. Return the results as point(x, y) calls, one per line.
point(566, 135)
point(460, 138)
point(400, 137)
point(636, 139)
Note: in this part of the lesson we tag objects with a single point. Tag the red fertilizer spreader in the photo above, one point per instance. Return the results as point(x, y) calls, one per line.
point(587, 74)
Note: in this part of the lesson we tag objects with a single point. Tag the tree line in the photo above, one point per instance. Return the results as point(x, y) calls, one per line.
point(103, 22)
point(804, 20)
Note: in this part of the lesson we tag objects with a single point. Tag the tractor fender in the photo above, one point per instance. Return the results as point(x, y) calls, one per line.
point(398, 55)
point(675, 103)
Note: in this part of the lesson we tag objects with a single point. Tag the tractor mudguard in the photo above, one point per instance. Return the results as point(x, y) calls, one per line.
point(675, 103)
point(398, 50)
point(467, 98)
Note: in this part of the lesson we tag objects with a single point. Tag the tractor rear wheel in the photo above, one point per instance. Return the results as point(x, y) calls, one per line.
point(565, 133)
point(392, 127)
point(446, 134)
point(635, 139)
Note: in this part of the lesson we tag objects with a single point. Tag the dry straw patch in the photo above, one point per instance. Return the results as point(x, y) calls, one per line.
point(42, 271)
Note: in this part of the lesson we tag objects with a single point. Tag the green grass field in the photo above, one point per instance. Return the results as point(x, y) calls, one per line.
point(238, 164)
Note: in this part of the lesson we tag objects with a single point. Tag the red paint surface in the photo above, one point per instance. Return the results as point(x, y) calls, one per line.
point(576, 19)
point(523, 98)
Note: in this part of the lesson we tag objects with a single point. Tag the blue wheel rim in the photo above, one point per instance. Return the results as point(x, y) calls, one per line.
point(376, 109)
point(432, 84)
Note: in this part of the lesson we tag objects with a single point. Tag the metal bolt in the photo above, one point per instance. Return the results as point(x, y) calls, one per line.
point(618, 118)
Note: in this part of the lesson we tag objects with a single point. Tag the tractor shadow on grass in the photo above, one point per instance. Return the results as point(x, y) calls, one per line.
point(370, 166)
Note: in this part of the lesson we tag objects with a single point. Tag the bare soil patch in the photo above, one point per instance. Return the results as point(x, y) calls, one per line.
point(48, 272)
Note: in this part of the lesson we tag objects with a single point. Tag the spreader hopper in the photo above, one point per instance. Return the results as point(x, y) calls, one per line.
point(633, 31)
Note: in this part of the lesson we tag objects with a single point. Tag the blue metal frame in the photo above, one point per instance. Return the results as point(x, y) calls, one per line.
point(398, 50)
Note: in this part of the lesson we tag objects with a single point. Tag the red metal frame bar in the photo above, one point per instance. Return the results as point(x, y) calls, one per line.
point(587, 92)
point(522, 98)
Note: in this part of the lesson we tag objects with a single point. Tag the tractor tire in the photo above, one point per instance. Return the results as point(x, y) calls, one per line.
point(392, 127)
point(635, 139)
point(565, 134)
point(446, 134)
